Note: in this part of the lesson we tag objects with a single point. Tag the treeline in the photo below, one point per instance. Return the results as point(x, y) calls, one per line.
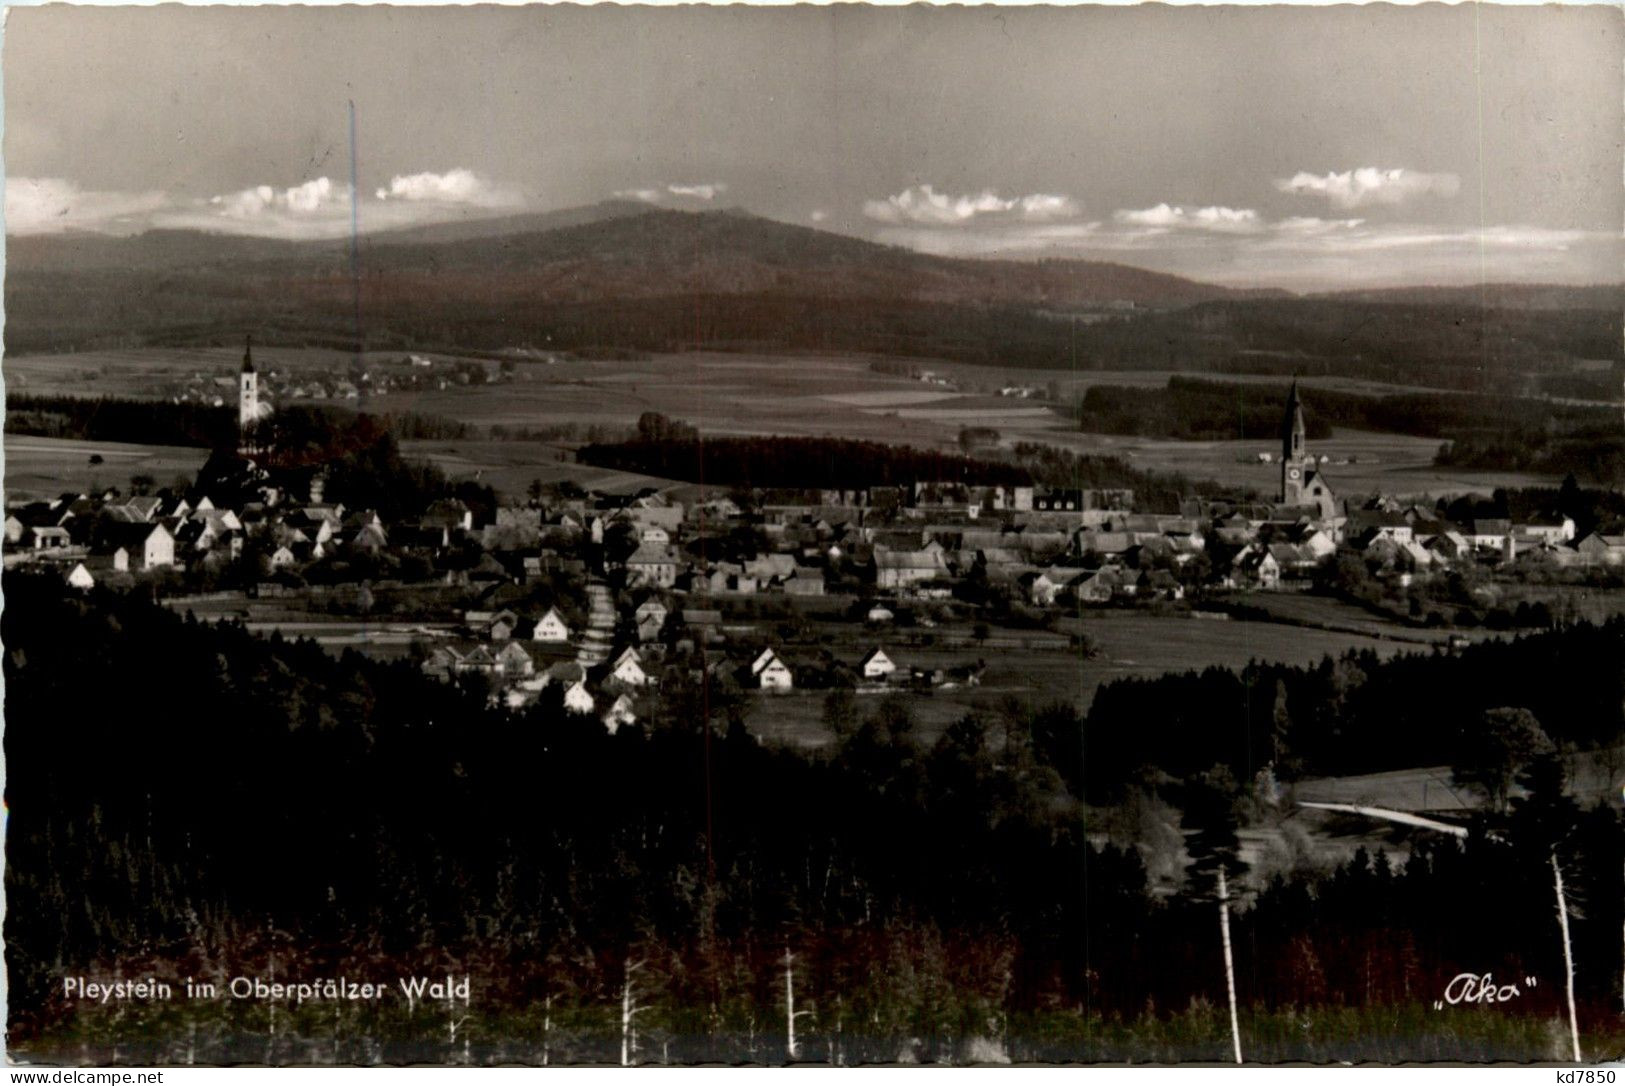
point(311, 815)
point(1355, 714)
point(136, 422)
point(1594, 453)
point(1191, 408)
point(161, 422)
point(797, 462)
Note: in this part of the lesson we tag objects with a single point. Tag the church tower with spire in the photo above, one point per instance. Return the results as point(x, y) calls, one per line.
point(1302, 484)
point(248, 399)
point(1295, 463)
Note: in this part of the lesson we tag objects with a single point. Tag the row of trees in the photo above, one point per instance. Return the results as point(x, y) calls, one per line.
point(1354, 714)
point(671, 450)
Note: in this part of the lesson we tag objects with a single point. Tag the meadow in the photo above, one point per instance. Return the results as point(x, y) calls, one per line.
point(44, 467)
point(794, 394)
point(1038, 666)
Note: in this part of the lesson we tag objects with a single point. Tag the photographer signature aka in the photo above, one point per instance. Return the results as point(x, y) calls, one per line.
point(1480, 988)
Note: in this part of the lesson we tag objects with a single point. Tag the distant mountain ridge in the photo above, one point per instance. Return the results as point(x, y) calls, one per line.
point(622, 248)
point(623, 277)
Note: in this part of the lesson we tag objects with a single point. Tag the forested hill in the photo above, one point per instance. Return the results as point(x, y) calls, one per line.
point(310, 816)
point(614, 278)
point(618, 250)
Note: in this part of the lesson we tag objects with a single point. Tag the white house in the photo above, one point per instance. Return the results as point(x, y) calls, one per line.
point(877, 665)
point(550, 627)
point(145, 546)
point(628, 669)
point(770, 672)
point(576, 698)
point(79, 577)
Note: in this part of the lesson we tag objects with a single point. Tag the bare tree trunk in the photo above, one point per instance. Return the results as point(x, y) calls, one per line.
point(626, 1022)
point(1229, 961)
point(789, 1005)
point(1568, 954)
point(629, 1011)
point(547, 1025)
point(792, 1048)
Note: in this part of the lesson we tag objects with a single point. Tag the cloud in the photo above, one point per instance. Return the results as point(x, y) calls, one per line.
point(457, 186)
point(1165, 217)
point(1308, 224)
point(1370, 185)
point(310, 198)
point(44, 205)
point(648, 196)
point(819, 215)
point(699, 192)
point(707, 191)
point(1298, 253)
point(923, 204)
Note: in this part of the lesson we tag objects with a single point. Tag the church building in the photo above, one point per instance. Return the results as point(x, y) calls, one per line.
point(1302, 483)
point(248, 400)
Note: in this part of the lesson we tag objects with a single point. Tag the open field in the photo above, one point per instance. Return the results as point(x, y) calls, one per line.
point(1039, 666)
point(1593, 776)
point(1359, 462)
point(511, 466)
point(41, 467)
point(807, 395)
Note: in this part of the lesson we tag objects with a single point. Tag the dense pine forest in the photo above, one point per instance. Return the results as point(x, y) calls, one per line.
point(192, 801)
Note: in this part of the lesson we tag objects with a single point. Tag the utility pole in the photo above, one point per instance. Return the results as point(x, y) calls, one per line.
point(1229, 962)
point(1568, 954)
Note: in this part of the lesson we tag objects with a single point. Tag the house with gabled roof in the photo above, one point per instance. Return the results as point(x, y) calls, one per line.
point(145, 546)
point(577, 699)
point(628, 669)
point(1256, 566)
point(652, 564)
point(769, 672)
point(513, 662)
point(551, 628)
point(1602, 549)
point(877, 665)
point(443, 661)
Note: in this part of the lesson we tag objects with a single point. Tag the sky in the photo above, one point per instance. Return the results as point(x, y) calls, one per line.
point(1306, 148)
